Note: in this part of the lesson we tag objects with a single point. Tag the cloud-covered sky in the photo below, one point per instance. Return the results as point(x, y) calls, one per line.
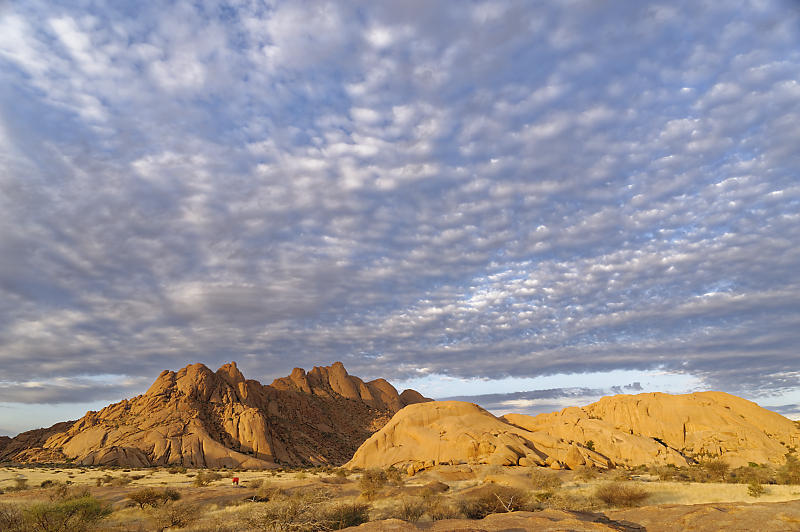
point(466, 190)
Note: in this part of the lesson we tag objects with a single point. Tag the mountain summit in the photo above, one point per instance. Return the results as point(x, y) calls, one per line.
point(201, 418)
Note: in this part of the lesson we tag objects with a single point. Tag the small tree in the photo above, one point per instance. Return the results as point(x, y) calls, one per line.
point(716, 468)
point(153, 497)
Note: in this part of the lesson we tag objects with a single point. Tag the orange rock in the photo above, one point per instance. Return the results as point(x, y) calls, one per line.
point(200, 418)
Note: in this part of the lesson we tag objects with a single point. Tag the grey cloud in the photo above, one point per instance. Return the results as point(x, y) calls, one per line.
point(527, 402)
point(73, 390)
point(472, 190)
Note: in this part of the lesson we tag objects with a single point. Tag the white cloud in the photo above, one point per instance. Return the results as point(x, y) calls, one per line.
point(489, 191)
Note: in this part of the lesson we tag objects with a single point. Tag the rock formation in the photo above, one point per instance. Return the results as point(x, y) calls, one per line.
point(454, 432)
point(623, 430)
point(200, 418)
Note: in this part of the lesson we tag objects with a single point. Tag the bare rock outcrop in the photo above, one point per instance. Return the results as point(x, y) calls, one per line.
point(623, 430)
point(200, 418)
point(455, 432)
point(703, 424)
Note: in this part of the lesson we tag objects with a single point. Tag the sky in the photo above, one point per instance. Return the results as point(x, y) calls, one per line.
point(530, 204)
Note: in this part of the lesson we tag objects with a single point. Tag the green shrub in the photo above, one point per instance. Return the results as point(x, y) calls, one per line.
point(621, 494)
point(590, 445)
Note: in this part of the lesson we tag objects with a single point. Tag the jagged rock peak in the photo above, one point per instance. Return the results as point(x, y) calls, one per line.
point(203, 418)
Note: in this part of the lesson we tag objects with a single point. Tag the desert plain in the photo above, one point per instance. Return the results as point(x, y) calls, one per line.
point(446, 497)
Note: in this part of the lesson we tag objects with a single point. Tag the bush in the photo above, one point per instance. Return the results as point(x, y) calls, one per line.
point(174, 470)
point(11, 518)
point(71, 514)
point(754, 489)
point(716, 468)
point(789, 472)
point(495, 499)
point(174, 514)
point(753, 473)
point(410, 510)
point(307, 510)
point(544, 479)
point(266, 492)
point(572, 502)
point(395, 476)
point(153, 497)
point(62, 492)
point(437, 507)
point(621, 494)
point(586, 473)
point(204, 478)
point(371, 482)
point(345, 515)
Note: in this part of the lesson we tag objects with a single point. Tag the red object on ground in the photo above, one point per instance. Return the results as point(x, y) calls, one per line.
point(236, 480)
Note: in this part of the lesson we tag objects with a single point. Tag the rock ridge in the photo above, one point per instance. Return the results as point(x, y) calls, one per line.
point(200, 418)
point(622, 430)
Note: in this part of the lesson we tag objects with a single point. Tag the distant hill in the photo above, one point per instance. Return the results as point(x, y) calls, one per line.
point(200, 418)
point(623, 430)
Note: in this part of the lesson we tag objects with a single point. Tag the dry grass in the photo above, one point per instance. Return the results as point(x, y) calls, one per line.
point(441, 493)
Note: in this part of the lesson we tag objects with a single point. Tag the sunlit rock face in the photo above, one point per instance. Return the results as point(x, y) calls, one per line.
point(200, 418)
point(623, 430)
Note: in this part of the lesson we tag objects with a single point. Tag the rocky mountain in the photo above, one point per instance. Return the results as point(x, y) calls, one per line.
point(200, 418)
point(694, 425)
point(623, 430)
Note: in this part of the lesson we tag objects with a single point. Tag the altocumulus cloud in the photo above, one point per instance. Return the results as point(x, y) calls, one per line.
point(461, 188)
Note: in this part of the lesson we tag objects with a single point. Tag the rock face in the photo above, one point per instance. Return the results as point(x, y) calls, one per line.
point(200, 418)
point(454, 432)
point(623, 430)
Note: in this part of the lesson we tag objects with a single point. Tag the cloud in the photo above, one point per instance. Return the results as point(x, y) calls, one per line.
point(478, 190)
point(70, 390)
